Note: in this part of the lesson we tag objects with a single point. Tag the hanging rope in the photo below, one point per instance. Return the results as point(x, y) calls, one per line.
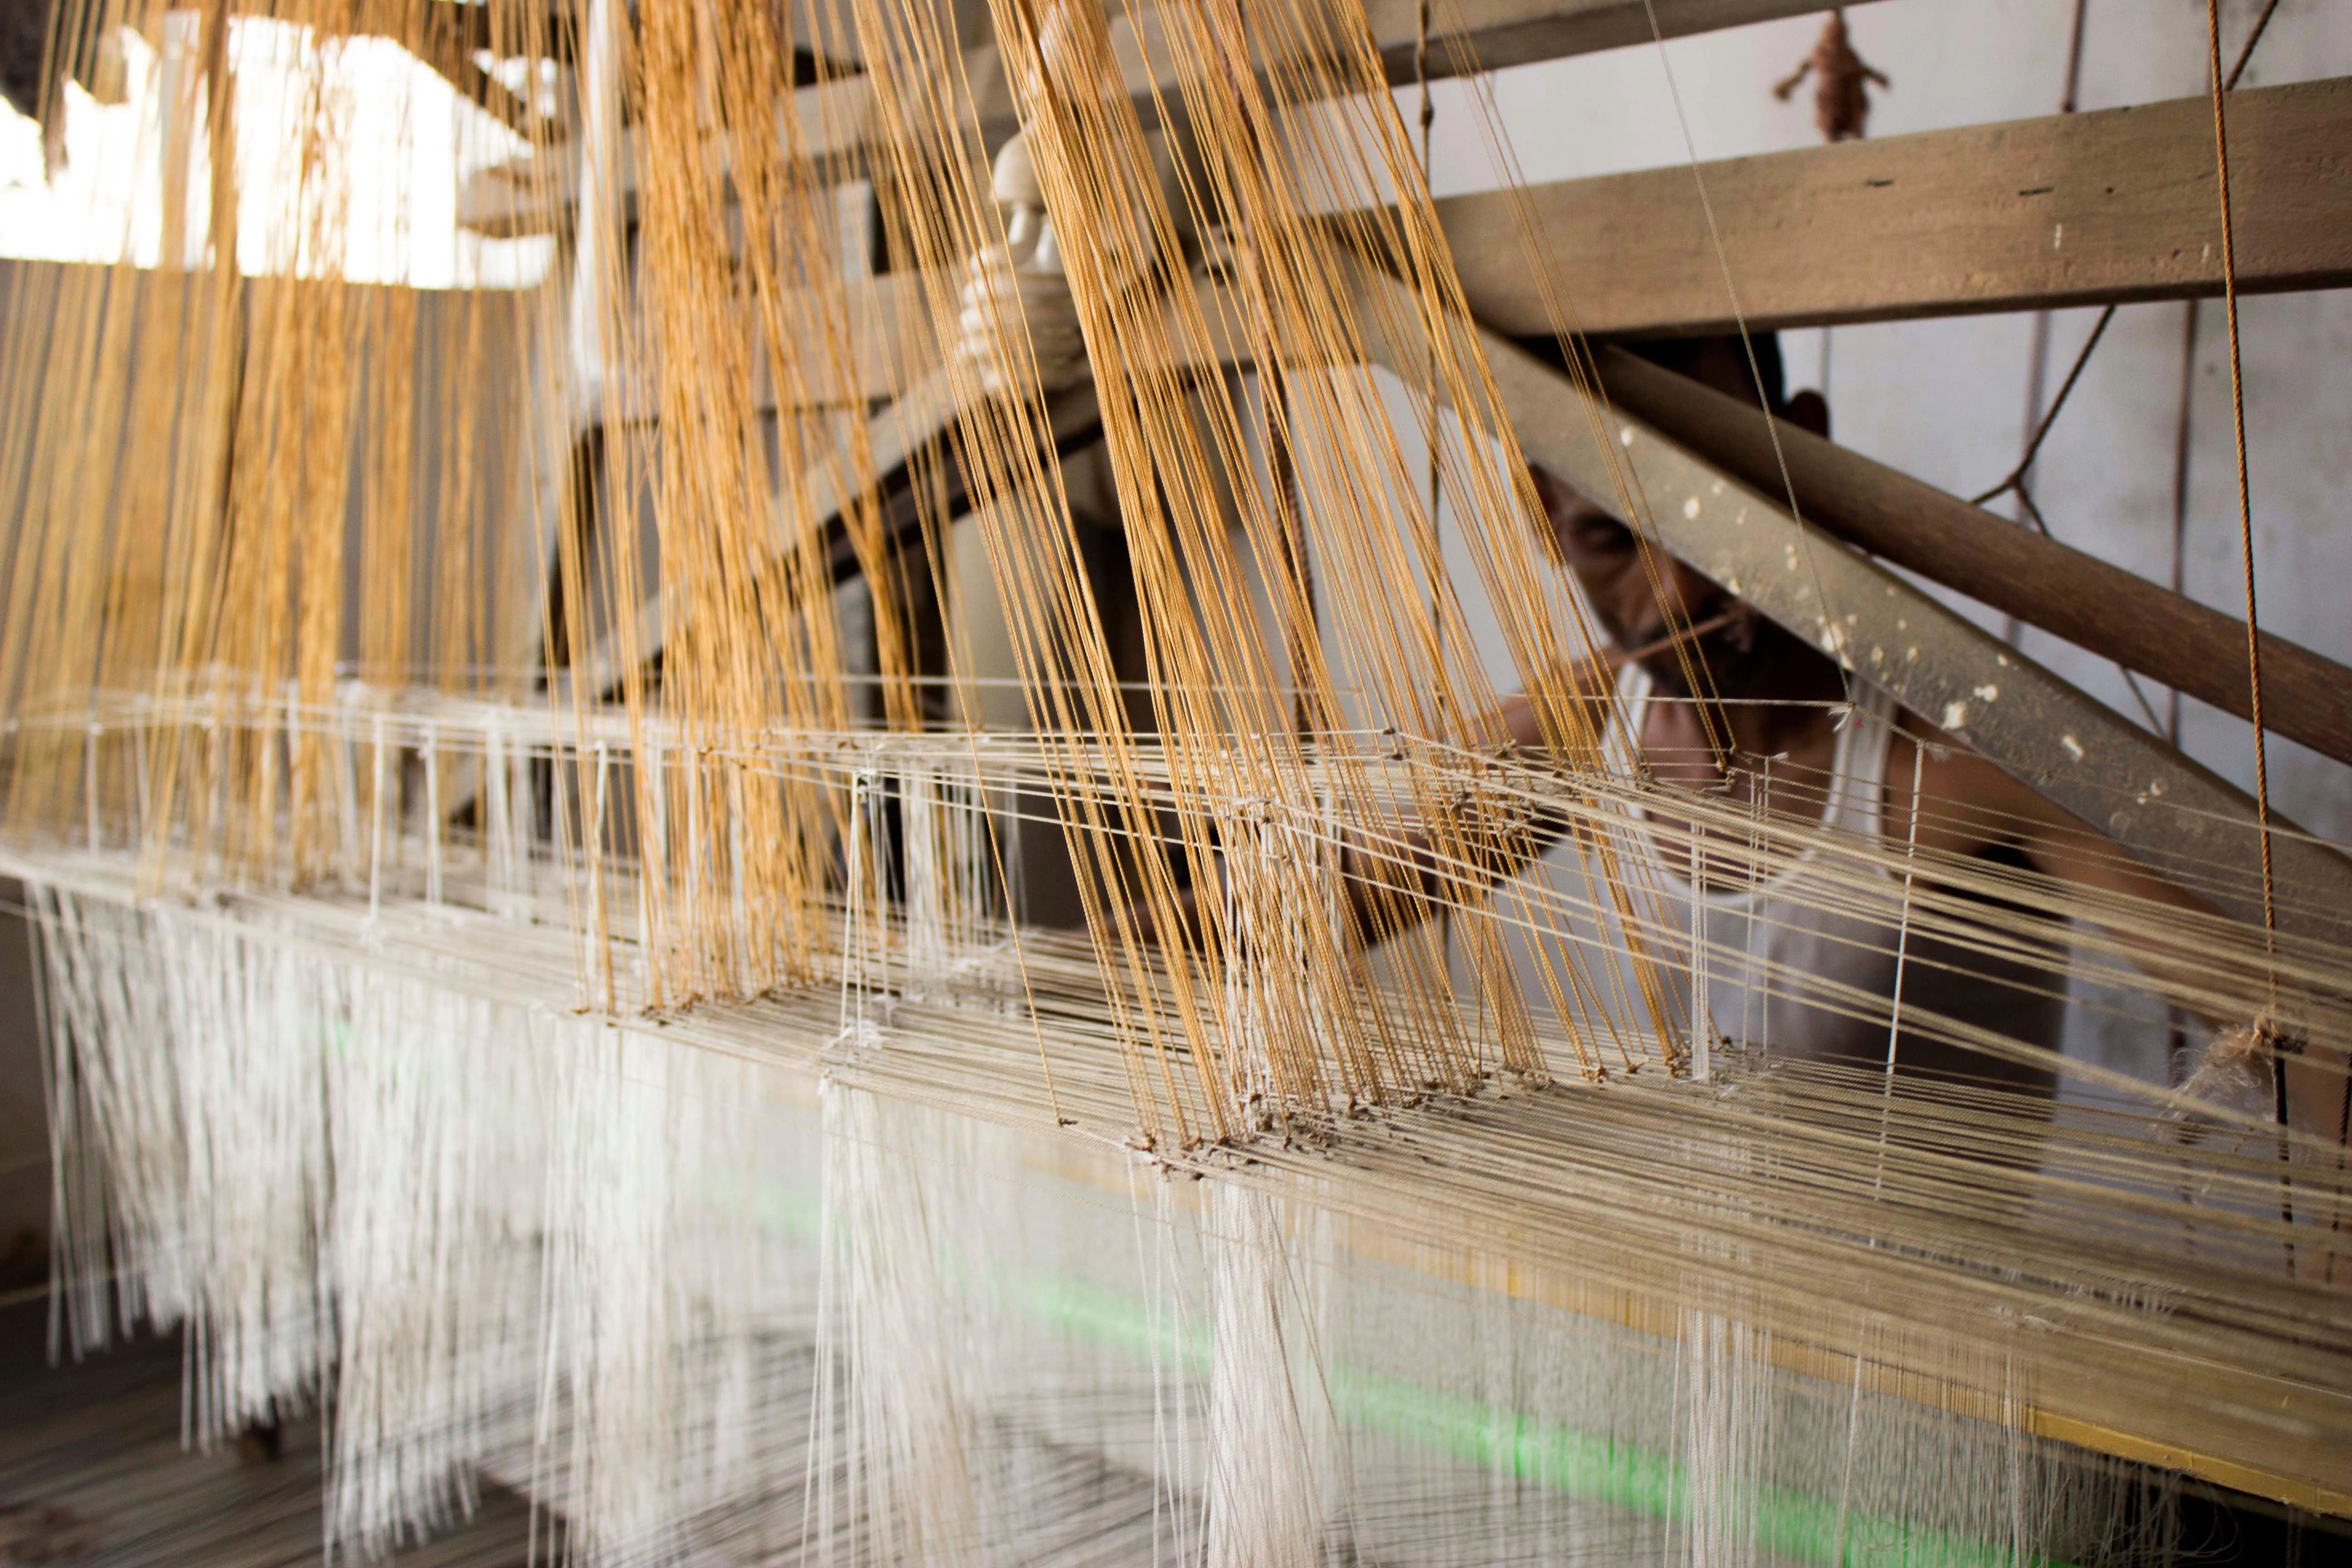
point(2253, 629)
point(2245, 501)
point(2247, 52)
point(2015, 480)
point(1428, 178)
point(2187, 422)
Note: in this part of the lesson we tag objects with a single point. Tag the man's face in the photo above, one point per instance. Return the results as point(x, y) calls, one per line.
point(1641, 602)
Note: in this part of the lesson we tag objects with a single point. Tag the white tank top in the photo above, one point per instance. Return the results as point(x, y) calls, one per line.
point(1792, 979)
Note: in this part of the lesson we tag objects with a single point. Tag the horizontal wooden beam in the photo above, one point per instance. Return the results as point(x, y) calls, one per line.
point(1490, 35)
point(2076, 210)
point(1470, 34)
point(2071, 210)
point(2104, 609)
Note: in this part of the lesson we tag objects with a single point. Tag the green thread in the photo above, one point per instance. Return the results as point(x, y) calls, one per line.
point(1789, 1523)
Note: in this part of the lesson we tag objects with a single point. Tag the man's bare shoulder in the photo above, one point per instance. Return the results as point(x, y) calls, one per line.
point(1966, 802)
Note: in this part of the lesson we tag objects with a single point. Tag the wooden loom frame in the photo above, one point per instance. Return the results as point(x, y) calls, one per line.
point(2040, 214)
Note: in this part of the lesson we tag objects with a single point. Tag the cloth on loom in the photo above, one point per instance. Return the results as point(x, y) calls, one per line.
point(1762, 941)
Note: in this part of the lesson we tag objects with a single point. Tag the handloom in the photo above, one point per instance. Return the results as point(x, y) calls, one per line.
point(542, 862)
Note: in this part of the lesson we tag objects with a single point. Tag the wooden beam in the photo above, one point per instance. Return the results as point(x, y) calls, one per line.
point(924, 415)
point(1490, 35)
point(2104, 609)
point(1466, 35)
point(1472, 35)
point(2076, 210)
point(2072, 210)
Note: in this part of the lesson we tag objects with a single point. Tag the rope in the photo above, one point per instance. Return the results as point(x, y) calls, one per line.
point(2016, 477)
point(2253, 626)
point(2245, 501)
point(1428, 122)
point(2247, 53)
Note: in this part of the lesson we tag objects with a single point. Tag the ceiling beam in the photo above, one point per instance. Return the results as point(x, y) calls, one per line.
point(2078, 209)
point(1490, 35)
point(1470, 34)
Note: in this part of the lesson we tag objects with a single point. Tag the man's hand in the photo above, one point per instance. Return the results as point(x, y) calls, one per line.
point(1002, 294)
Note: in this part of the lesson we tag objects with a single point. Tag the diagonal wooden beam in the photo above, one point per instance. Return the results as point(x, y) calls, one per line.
point(2113, 613)
point(2074, 209)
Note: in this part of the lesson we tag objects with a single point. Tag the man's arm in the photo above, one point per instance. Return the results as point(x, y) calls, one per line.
point(1970, 806)
point(1975, 807)
point(1414, 879)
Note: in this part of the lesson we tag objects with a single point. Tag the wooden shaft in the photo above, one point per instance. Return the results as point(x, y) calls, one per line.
point(2104, 609)
point(2070, 209)
point(1493, 33)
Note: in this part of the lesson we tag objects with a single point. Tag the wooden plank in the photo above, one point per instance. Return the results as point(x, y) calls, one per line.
point(2140, 625)
point(1464, 35)
point(2069, 210)
point(1493, 33)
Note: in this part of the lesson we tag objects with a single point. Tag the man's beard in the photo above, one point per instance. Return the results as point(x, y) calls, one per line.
point(1748, 659)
